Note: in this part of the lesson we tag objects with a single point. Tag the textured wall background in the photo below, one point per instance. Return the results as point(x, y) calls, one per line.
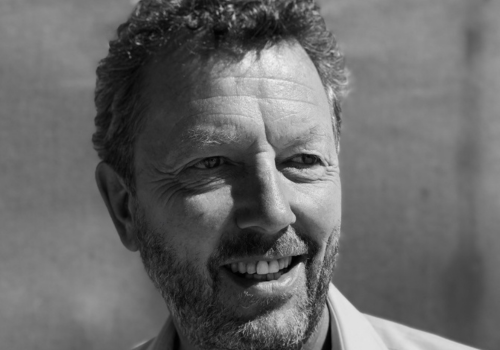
point(420, 162)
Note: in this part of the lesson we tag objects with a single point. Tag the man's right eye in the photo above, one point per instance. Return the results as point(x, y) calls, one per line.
point(209, 163)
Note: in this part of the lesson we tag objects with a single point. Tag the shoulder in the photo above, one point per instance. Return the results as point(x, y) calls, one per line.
point(399, 337)
point(144, 345)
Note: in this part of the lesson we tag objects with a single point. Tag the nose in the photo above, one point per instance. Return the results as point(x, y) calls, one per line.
point(264, 203)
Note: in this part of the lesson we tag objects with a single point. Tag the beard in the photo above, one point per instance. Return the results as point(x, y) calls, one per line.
point(193, 295)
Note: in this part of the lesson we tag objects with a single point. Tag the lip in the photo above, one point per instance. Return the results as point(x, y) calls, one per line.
point(259, 288)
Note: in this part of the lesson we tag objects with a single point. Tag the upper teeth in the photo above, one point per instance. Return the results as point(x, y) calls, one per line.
point(261, 267)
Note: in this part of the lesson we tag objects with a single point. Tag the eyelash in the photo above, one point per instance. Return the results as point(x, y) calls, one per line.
point(217, 161)
point(316, 159)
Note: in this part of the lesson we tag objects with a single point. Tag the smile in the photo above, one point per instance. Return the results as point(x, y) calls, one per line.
point(262, 270)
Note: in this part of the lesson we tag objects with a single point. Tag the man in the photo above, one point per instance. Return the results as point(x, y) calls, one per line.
point(218, 125)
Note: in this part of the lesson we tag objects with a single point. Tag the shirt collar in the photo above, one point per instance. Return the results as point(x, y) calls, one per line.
point(349, 328)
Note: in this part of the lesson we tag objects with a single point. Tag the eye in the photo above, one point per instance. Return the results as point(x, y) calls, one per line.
point(306, 159)
point(209, 163)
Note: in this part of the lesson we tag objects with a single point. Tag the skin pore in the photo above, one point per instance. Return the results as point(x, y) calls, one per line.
point(236, 166)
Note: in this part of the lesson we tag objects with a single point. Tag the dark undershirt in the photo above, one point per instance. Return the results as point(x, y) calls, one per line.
point(328, 341)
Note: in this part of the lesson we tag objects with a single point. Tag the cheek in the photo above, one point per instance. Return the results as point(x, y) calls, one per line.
point(197, 222)
point(319, 210)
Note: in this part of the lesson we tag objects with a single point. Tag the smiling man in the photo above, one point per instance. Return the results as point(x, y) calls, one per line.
point(218, 126)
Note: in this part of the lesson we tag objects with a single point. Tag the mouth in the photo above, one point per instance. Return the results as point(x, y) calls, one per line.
point(263, 270)
point(279, 279)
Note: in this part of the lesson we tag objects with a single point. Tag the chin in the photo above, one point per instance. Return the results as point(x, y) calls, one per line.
point(276, 330)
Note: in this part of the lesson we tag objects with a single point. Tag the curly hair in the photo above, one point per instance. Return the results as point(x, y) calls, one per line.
point(233, 27)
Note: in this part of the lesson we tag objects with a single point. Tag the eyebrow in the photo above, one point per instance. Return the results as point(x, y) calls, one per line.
point(312, 134)
point(199, 137)
point(209, 137)
point(196, 138)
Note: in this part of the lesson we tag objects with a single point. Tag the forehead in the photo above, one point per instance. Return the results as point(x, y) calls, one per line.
point(286, 67)
point(187, 96)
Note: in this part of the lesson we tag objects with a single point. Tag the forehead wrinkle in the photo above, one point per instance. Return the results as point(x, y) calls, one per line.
point(250, 87)
point(260, 79)
point(257, 97)
point(206, 106)
point(205, 114)
point(288, 100)
point(197, 109)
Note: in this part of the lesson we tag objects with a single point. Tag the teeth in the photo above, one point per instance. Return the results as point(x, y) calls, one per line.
point(242, 268)
point(263, 269)
point(274, 266)
point(251, 269)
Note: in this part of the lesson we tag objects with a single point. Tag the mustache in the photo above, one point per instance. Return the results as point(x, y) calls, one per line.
point(251, 243)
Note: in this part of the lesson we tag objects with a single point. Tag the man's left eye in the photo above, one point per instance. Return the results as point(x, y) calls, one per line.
point(306, 159)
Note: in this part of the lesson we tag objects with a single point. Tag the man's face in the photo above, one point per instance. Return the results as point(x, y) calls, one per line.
point(238, 197)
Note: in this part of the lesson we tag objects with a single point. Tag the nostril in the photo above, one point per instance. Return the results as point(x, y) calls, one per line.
point(265, 220)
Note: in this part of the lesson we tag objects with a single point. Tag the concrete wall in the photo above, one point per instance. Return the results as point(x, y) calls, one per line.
point(420, 159)
point(420, 163)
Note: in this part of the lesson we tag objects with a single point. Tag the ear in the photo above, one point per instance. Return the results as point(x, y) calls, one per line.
point(119, 203)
